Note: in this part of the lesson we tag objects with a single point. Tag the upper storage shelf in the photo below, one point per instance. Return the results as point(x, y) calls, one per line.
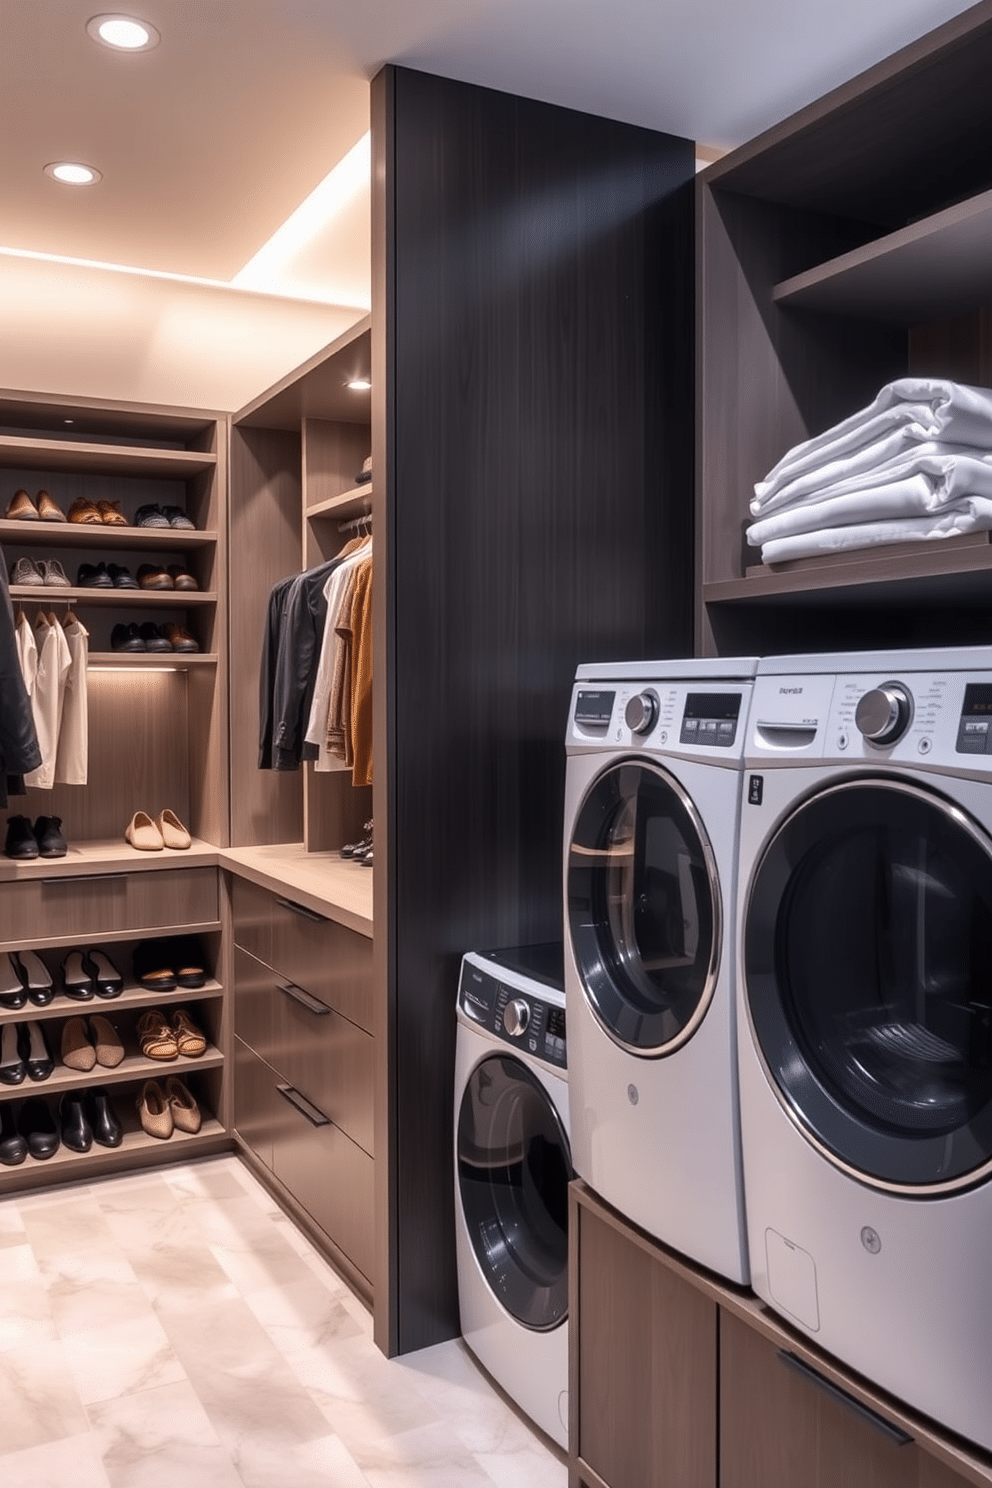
point(18, 452)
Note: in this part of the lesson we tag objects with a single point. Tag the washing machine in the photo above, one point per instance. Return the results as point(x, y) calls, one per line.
point(652, 805)
point(512, 1171)
point(865, 1016)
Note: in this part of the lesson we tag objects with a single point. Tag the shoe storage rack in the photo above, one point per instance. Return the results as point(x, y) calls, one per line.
point(157, 740)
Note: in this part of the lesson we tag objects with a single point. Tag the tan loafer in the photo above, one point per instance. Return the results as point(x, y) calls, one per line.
point(184, 1110)
point(154, 1111)
point(77, 1051)
point(84, 513)
point(144, 834)
point(21, 508)
point(106, 1042)
point(171, 830)
point(189, 1040)
point(111, 515)
point(49, 510)
point(155, 1037)
point(181, 577)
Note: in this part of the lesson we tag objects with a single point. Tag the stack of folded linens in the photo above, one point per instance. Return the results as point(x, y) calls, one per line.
point(914, 466)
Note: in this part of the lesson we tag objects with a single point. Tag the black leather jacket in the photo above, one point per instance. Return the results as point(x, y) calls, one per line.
point(19, 750)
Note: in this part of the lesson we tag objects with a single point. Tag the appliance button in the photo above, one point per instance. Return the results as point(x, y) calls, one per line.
point(925, 745)
point(883, 714)
point(641, 712)
point(516, 1016)
point(842, 740)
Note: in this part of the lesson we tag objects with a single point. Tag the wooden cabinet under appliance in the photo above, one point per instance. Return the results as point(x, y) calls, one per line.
point(303, 1100)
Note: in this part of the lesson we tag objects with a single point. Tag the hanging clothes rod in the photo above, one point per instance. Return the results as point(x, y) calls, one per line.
point(365, 520)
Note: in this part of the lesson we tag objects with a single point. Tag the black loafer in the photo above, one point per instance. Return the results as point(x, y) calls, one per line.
point(106, 1129)
point(93, 576)
point(76, 980)
point(37, 1126)
point(121, 577)
point(48, 835)
point(13, 1148)
point(107, 980)
point(37, 1054)
point(12, 1066)
point(77, 1134)
point(185, 955)
point(126, 638)
point(35, 977)
point(152, 637)
point(12, 990)
point(21, 841)
point(152, 962)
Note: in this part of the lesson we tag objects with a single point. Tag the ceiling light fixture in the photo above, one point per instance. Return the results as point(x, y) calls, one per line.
point(73, 173)
point(359, 384)
point(123, 33)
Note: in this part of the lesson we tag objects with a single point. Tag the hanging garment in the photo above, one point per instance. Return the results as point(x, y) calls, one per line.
point(19, 748)
point(294, 626)
point(48, 699)
point(333, 663)
point(361, 678)
point(72, 756)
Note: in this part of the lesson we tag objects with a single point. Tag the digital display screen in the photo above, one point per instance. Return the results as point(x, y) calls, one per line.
point(977, 700)
point(725, 706)
point(594, 709)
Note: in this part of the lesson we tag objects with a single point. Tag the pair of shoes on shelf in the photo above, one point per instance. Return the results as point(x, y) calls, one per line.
point(152, 576)
point(88, 974)
point(149, 834)
point(97, 513)
point(43, 840)
point(165, 1040)
point(161, 1112)
point(36, 573)
point(163, 965)
point(152, 637)
point(104, 576)
point(33, 1131)
point(360, 852)
point(24, 1051)
point(86, 1116)
point(153, 515)
point(86, 1043)
point(24, 977)
point(21, 508)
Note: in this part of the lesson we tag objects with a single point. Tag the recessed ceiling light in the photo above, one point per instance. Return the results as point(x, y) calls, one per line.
point(124, 33)
point(73, 173)
point(359, 384)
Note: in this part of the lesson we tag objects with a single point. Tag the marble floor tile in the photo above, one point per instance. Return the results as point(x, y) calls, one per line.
point(73, 1462)
point(64, 1224)
point(429, 1456)
point(324, 1463)
point(25, 1314)
point(12, 1230)
point(212, 1178)
point(301, 1315)
point(121, 1358)
point(91, 1288)
point(180, 1278)
point(364, 1396)
point(457, 1390)
point(263, 1405)
point(160, 1438)
point(38, 1400)
point(221, 1337)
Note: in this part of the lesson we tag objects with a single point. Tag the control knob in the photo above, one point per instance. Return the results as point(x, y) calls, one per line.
point(516, 1016)
point(883, 714)
point(641, 712)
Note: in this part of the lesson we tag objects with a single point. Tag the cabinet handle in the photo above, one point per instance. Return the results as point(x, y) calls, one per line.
point(313, 1115)
point(84, 878)
point(894, 1433)
point(312, 1004)
point(308, 914)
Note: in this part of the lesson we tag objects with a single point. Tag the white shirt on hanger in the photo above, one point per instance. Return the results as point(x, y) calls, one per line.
point(72, 757)
point(54, 661)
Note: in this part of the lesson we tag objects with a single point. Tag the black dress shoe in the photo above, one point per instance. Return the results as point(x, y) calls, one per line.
point(153, 638)
point(13, 1148)
point(37, 1126)
point(122, 577)
point(77, 1134)
point(12, 990)
point(12, 1067)
point(152, 962)
point(21, 841)
point(107, 980)
point(126, 638)
point(106, 1129)
point(35, 977)
point(93, 576)
point(185, 956)
point(37, 1054)
point(76, 980)
point(48, 835)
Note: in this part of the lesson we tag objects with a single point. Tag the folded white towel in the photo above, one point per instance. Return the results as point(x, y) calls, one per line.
point(973, 514)
point(912, 409)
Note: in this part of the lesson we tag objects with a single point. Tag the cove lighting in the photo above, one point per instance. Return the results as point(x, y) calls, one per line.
point(359, 384)
point(122, 32)
point(73, 173)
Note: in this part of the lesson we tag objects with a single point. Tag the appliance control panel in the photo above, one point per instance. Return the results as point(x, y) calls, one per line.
point(523, 1013)
point(706, 720)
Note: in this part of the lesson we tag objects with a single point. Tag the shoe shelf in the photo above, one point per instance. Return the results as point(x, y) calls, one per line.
point(168, 661)
point(102, 856)
point(24, 452)
point(121, 599)
point(211, 1136)
point(133, 996)
point(133, 1068)
point(354, 503)
point(89, 535)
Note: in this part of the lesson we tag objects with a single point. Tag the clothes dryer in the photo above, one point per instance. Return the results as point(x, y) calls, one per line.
point(652, 804)
point(512, 1171)
point(865, 1015)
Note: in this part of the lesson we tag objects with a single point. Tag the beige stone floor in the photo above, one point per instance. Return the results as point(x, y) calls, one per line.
point(175, 1330)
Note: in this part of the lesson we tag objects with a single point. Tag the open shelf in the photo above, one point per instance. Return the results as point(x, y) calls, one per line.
point(354, 503)
point(133, 996)
point(132, 1068)
point(113, 856)
point(113, 538)
point(136, 1140)
point(122, 599)
point(175, 661)
point(18, 452)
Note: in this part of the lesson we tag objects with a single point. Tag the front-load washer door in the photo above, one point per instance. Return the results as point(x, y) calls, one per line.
point(868, 981)
point(514, 1168)
point(643, 908)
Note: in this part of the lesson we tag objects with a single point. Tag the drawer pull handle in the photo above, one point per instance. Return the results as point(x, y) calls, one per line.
point(308, 914)
point(312, 1004)
point(894, 1433)
point(84, 878)
point(313, 1115)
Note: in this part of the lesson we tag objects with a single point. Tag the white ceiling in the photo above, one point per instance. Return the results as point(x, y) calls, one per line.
point(211, 140)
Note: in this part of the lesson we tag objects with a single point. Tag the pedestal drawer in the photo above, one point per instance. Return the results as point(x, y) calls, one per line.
point(328, 1174)
point(86, 907)
point(257, 1106)
point(323, 1055)
point(313, 952)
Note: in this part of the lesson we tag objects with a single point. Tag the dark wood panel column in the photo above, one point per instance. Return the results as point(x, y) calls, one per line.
point(533, 440)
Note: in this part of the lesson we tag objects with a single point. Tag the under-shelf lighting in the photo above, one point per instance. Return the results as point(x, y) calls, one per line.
point(359, 384)
point(123, 33)
point(73, 173)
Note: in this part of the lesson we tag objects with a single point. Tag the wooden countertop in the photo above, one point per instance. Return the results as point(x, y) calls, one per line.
point(321, 881)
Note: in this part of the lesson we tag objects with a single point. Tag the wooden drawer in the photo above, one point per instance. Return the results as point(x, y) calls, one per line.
point(328, 1174)
point(257, 1106)
point(316, 954)
point(84, 908)
point(323, 1055)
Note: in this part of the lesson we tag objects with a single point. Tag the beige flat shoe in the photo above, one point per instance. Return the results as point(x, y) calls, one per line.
point(189, 1040)
point(143, 833)
point(77, 1051)
point(185, 1112)
point(154, 1111)
point(49, 510)
point(106, 1041)
point(173, 833)
point(21, 508)
point(155, 1037)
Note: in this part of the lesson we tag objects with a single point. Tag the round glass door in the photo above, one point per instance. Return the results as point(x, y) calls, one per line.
point(868, 978)
point(514, 1168)
point(643, 908)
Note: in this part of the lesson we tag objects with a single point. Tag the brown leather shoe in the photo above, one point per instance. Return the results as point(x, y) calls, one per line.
point(111, 515)
point(180, 639)
point(150, 576)
point(85, 513)
point(49, 510)
point(21, 508)
point(181, 578)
